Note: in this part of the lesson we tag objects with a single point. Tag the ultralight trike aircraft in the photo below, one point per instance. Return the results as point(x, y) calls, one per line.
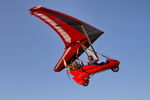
point(77, 36)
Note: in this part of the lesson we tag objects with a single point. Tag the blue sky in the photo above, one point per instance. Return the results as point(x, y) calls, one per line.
point(29, 50)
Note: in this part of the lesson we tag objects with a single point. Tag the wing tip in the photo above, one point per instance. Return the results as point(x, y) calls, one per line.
point(36, 7)
point(57, 70)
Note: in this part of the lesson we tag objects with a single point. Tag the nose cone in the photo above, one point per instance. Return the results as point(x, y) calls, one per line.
point(114, 61)
point(117, 62)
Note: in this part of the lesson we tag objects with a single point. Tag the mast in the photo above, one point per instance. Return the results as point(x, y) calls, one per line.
point(84, 31)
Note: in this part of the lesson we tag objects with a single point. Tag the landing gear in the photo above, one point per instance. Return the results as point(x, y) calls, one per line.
point(115, 69)
point(86, 84)
point(86, 81)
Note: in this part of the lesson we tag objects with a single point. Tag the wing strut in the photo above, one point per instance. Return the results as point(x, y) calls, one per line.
point(84, 49)
point(89, 41)
point(89, 51)
point(67, 69)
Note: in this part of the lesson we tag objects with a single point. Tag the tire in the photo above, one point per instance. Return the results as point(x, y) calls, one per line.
point(115, 69)
point(86, 79)
point(86, 84)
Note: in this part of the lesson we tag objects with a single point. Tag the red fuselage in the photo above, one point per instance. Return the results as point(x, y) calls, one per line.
point(87, 70)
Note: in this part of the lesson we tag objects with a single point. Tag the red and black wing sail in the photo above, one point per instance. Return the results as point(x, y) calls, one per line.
point(70, 30)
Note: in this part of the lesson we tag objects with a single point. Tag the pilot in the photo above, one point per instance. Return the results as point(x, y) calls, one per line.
point(92, 61)
point(75, 65)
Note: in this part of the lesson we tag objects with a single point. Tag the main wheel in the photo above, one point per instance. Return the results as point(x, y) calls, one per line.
point(86, 84)
point(115, 69)
point(86, 79)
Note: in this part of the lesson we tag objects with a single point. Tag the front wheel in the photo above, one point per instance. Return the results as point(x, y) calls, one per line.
point(115, 69)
